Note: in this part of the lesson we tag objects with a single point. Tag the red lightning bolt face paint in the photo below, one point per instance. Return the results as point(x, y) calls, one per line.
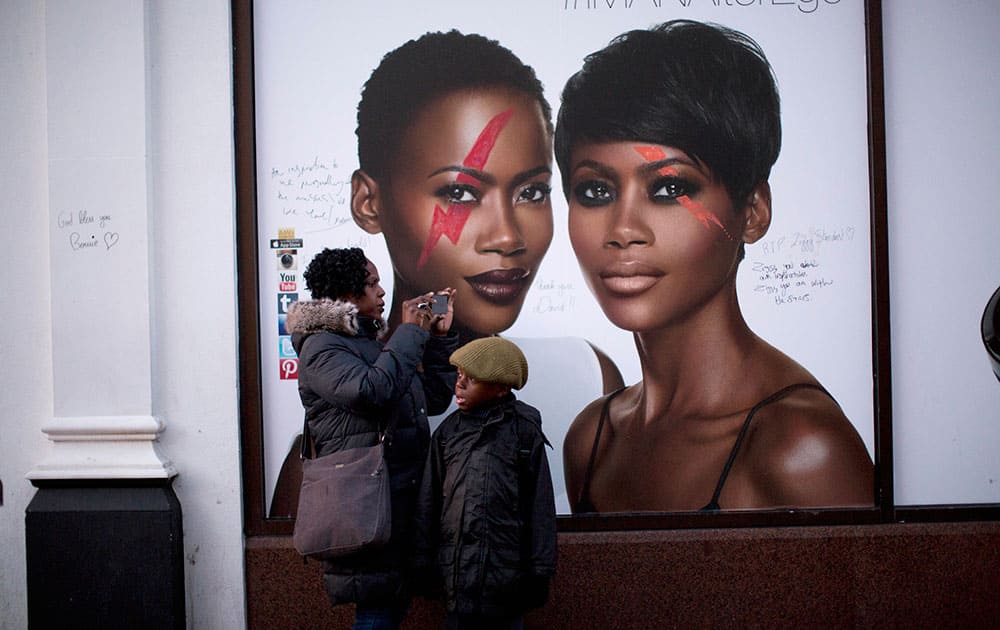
point(706, 218)
point(450, 222)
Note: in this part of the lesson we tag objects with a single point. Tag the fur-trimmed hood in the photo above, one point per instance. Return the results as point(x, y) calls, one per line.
point(312, 316)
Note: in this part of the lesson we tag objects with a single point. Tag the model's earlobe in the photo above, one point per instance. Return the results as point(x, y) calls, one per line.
point(758, 213)
point(365, 202)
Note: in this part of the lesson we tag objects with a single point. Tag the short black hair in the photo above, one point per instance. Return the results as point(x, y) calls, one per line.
point(422, 69)
point(703, 88)
point(337, 273)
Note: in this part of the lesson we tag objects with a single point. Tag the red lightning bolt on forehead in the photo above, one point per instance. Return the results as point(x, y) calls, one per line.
point(698, 211)
point(451, 221)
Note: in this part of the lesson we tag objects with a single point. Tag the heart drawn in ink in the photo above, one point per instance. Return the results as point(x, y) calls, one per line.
point(110, 239)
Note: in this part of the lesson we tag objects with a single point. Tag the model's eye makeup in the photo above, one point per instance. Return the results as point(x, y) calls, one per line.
point(676, 188)
point(669, 189)
point(592, 193)
point(535, 193)
point(458, 194)
point(451, 221)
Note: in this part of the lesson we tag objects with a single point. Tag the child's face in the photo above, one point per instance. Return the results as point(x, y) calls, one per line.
point(471, 393)
point(466, 204)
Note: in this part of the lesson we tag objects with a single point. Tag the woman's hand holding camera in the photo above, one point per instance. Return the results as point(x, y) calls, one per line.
point(431, 311)
point(441, 323)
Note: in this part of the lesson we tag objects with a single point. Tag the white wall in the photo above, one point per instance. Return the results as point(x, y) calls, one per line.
point(195, 363)
point(942, 61)
point(943, 141)
point(25, 337)
point(191, 211)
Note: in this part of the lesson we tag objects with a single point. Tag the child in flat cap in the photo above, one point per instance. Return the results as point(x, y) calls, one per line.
point(486, 519)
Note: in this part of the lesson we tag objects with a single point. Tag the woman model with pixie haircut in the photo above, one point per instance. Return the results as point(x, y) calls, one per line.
point(455, 153)
point(665, 140)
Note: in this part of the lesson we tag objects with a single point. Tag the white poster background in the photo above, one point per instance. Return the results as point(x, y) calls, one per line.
point(805, 287)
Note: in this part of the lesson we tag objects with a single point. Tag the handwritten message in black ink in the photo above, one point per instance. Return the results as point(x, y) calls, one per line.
point(789, 269)
point(313, 192)
point(551, 296)
point(87, 232)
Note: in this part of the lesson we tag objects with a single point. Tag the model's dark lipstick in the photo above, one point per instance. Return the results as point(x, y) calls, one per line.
point(500, 286)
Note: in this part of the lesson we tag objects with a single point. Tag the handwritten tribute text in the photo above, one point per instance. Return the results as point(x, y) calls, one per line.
point(313, 192)
point(789, 268)
point(87, 232)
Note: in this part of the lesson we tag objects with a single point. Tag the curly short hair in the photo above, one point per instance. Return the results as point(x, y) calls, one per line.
point(337, 273)
point(422, 69)
point(703, 88)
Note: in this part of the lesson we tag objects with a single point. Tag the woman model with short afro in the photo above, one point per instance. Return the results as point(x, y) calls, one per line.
point(455, 166)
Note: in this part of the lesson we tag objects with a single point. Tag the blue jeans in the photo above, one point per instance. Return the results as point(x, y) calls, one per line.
point(387, 618)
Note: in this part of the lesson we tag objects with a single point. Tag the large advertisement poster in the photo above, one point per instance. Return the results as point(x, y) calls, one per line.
point(804, 285)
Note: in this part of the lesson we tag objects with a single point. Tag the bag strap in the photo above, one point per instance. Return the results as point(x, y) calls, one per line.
point(307, 449)
point(305, 445)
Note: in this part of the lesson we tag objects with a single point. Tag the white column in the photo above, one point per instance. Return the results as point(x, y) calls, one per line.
point(99, 245)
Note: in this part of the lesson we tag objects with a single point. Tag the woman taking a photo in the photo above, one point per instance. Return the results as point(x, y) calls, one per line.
point(353, 387)
point(665, 141)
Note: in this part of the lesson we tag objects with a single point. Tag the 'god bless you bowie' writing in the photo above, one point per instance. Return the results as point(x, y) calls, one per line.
point(87, 232)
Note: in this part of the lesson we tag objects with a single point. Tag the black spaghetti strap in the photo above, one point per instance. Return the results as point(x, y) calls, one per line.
point(583, 502)
point(713, 504)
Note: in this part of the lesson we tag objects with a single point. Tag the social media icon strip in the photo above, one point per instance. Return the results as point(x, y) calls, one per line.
point(286, 249)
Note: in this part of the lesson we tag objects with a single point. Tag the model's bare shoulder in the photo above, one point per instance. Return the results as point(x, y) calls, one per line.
point(805, 453)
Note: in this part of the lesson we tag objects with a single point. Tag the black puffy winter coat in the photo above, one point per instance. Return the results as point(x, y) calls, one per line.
point(486, 515)
point(352, 386)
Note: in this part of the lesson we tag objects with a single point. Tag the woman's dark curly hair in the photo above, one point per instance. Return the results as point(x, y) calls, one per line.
point(421, 70)
point(337, 273)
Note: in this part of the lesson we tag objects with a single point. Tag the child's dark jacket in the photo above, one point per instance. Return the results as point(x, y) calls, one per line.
point(486, 515)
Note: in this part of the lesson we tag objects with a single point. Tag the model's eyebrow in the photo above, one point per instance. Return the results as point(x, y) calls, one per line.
point(524, 176)
point(474, 173)
point(602, 169)
point(652, 167)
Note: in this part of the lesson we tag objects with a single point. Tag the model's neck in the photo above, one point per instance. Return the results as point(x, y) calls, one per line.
point(698, 362)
